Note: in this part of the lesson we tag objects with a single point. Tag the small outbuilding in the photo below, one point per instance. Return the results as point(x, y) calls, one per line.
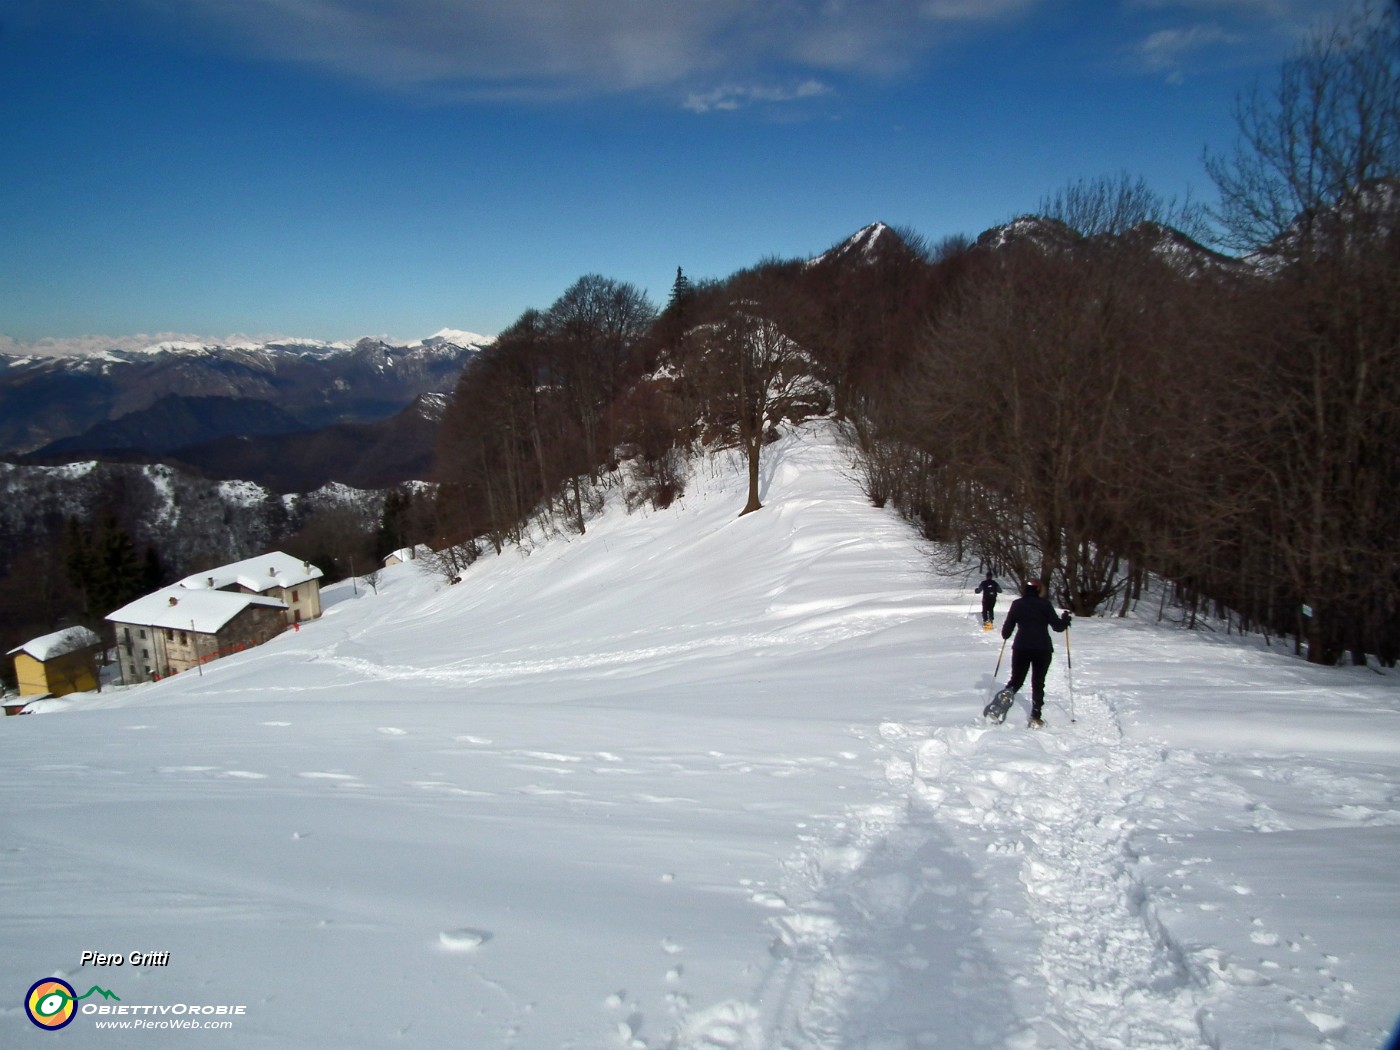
point(57, 664)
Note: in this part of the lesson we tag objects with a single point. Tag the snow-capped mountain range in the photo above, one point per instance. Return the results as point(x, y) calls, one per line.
point(126, 348)
point(44, 400)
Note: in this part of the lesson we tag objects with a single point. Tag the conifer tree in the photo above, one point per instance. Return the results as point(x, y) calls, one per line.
point(680, 291)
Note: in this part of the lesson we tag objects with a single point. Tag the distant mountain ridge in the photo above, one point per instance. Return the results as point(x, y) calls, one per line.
point(375, 455)
point(877, 242)
point(1183, 253)
point(171, 423)
point(44, 400)
point(238, 439)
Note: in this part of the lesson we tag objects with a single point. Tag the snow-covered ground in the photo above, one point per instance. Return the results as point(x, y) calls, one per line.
point(694, 781)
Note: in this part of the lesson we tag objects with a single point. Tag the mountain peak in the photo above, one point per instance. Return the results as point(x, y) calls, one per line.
point(1034, 230)
point(457, 337)
point(869, 244)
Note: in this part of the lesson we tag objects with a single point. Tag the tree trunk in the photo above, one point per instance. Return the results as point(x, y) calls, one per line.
point(753, 447)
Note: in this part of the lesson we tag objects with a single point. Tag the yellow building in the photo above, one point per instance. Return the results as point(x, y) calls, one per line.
point(57, 664)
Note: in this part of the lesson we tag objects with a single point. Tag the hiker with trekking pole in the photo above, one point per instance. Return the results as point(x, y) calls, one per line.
point(988, 589)
point(1031, 618)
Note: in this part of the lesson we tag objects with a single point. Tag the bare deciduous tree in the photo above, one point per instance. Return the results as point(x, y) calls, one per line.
point(1309, 151)
point(752, 376)
point(1313, 188)
point(1110, 206)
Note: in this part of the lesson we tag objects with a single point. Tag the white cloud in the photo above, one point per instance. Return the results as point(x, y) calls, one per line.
point(733, 97)
point(563, 47)
point(1191, 35)
point(1287, 18)
point(974, 10)
point(1166, 48)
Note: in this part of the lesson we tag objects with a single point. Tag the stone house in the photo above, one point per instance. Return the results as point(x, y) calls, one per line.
point(176, 629)
point(295, 583)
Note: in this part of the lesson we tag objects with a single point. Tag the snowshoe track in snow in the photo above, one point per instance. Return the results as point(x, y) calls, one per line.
point(997, 844)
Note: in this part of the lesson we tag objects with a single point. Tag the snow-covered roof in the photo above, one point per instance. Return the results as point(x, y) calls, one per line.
point(58, 643)
point(183, 609)
point(266, 571)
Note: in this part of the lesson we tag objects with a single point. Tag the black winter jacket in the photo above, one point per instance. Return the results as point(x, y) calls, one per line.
point(1032, 618)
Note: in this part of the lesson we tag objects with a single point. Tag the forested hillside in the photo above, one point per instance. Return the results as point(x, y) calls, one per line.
point(1087, 395)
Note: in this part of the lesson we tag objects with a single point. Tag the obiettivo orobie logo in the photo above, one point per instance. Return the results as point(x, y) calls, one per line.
point(52, 1002)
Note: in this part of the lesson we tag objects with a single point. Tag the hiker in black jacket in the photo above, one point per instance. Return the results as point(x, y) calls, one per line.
point(988, 589)
point(1032, 618)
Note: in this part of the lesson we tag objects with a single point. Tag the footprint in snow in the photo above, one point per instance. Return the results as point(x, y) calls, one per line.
point(463, 939)
point(768, 899)
point(1327, 1025)
point(728, 1024)
point(549, 756)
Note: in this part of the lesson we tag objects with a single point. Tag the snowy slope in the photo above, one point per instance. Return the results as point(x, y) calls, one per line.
point(694, 781)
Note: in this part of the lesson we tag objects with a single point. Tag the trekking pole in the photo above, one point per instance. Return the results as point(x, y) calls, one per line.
point(1069, 673)
point(1003, 653)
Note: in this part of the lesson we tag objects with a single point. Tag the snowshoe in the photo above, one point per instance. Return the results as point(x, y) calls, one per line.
point(1001, 703)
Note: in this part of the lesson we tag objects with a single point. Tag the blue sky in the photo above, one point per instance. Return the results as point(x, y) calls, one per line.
point(341, 168)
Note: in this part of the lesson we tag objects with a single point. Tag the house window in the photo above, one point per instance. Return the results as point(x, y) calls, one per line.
point(169, 635)
point(294, 596)
point(143, 634)
point(146, 655)
point(184, 638)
